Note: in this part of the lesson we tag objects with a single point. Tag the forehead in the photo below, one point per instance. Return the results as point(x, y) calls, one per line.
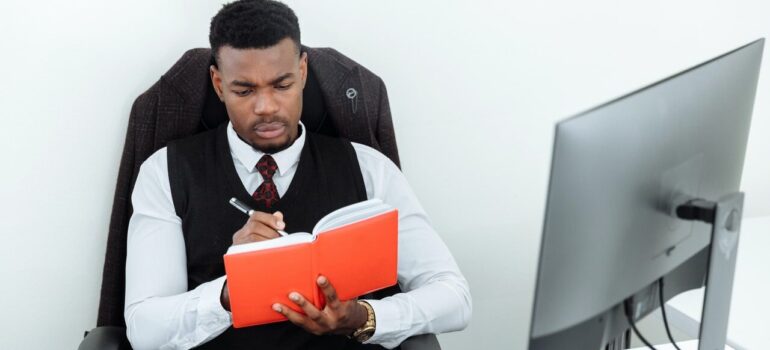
point(258, 64)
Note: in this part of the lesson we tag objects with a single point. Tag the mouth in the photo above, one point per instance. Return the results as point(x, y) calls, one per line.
point(270, 130)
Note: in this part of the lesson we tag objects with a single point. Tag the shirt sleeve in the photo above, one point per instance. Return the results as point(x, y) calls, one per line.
point(160, 312)
point(436, 297)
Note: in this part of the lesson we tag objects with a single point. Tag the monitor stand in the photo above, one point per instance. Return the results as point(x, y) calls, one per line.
point(724, 216)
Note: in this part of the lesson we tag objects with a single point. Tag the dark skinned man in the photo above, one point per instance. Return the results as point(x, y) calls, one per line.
point(176, 293)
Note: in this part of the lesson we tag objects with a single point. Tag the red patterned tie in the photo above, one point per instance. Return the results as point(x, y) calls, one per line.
point(267, 193)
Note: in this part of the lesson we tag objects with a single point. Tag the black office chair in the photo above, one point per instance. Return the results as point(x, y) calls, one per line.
point(111, 333)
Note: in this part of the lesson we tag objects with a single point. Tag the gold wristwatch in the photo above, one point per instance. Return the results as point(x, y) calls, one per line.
point(366, 331)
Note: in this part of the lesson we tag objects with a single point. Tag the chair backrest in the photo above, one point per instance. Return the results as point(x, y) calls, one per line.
point(142, 139)
point(160, 115)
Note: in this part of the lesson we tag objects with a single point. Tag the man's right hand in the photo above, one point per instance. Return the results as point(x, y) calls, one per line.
point(259, 227)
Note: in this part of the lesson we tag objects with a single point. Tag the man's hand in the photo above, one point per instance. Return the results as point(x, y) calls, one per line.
point(338, 317)
point(260, 227)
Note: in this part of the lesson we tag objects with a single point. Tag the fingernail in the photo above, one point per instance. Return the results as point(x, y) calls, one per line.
point(294, 296)
point(321, 280)
point(277, 307)
point(281, 225)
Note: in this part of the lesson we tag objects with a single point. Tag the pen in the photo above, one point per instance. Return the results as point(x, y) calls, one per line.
point(244, 208)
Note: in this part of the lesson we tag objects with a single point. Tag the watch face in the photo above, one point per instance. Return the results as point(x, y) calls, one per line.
point(365, 334)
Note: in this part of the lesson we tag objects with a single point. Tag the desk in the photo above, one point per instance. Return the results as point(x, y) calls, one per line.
point(684, 345)
point(750, 308)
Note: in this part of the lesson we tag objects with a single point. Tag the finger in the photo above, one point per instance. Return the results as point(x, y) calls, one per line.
point(310, 310)
point(257, 237)
point(294, 317)
point(270, 220)
point(281, 225)
point(261, 229)
point(332, 301)
point(245, 235)
point(238, 234)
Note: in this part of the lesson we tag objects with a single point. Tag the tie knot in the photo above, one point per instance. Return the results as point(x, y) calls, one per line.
point(267, 167)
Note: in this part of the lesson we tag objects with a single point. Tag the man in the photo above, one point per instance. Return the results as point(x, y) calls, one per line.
point(176, 292)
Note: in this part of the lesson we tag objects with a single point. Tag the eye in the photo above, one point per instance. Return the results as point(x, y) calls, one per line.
point(283, 86)
point(242, 92)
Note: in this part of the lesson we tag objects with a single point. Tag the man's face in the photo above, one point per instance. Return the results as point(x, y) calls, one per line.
point(262, 91)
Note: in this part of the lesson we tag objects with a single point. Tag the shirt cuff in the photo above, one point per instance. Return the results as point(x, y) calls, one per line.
point(212, 314)
point(388, 324)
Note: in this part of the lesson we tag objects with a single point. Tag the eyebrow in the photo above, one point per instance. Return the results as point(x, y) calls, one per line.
point(272, 82)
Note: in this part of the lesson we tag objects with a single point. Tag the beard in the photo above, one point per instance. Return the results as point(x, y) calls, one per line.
point(273, 149)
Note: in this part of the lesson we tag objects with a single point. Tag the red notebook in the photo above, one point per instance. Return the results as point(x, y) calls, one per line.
point(355, 247)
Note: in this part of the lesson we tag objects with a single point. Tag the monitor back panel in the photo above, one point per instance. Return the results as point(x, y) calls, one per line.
point(616, 171)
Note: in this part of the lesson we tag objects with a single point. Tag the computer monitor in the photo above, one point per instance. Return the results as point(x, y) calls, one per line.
point(619, 172)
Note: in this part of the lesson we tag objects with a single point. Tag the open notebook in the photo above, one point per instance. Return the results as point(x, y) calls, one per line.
point(355, 247)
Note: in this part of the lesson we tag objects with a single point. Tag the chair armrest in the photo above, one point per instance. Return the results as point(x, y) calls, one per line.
point(105, 338)
point(421, 342)
point(114, 338)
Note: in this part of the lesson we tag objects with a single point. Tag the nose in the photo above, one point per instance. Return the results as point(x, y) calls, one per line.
point(265, 104)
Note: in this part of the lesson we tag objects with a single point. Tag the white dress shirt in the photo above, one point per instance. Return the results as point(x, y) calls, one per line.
point(161, 313)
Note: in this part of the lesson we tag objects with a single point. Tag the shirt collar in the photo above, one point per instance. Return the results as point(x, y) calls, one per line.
point(248, 156)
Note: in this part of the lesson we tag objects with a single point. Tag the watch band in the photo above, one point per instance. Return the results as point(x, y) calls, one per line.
point(366, 331)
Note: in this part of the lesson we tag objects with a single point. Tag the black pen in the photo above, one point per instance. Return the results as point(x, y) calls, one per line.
point(244, 208)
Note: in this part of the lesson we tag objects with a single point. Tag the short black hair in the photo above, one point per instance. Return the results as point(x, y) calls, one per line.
point(253, 24)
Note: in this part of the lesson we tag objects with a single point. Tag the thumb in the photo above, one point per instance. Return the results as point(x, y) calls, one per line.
point(279, 220)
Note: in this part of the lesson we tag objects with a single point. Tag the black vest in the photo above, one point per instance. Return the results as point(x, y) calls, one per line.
point(203, 179)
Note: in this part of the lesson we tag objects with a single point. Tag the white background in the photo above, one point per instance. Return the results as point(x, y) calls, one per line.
point(475, 89)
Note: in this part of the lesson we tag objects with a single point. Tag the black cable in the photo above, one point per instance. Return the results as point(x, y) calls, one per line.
point(663, 310)
point(627, 306)
point(627, 336)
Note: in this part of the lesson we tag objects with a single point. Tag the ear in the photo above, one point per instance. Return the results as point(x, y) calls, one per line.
point(303, 68)
point(216, 80)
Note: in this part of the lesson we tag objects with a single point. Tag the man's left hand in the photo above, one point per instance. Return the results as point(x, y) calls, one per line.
point(338, 317)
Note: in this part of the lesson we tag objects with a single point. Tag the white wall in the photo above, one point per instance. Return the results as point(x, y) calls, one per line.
point(71, 70)
point(475, 88)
